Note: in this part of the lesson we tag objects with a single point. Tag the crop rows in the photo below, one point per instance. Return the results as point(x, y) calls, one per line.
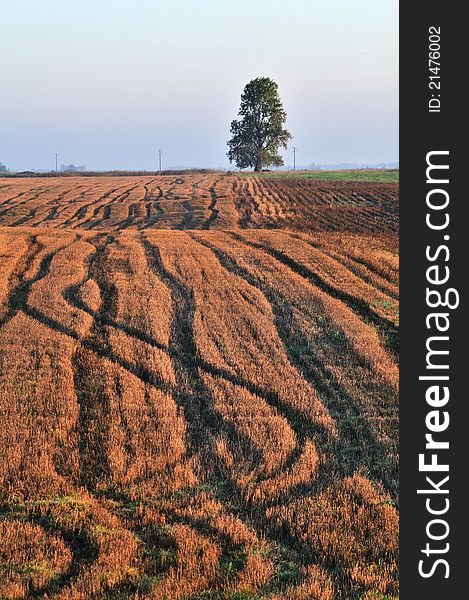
point(197, 414)
point(198, 202)
point(312, 205)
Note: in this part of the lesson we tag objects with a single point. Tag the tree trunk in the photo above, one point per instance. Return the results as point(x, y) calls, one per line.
point(258, 166)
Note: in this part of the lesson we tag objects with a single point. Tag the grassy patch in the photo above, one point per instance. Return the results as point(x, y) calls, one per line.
point(371, 175)
point(232, 562)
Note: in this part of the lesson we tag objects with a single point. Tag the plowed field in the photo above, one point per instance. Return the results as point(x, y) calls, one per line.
point(198, 388)
point(198, 202)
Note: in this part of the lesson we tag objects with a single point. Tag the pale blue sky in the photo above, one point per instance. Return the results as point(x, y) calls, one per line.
point(106, 82)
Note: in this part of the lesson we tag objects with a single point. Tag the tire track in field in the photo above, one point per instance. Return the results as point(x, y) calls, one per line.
point(81, 212)
point(83, 548)
point(58, 207)
point(107, 209)
point(200, 523)
point(186, 359)
point(373, 268)
point(261, 526)
point(18, 301)
point(355, 265)
point(386, 329)
point(156, 204)
point(34, 196)
point(89, 375)
point(91, 379)
point(190, 360)
point(175, 353)
point(144, 375)
point(356, 436)
point(152, 202)
point(22, 220)
point(187, 219)
point(148, 202)
point(33, 211)
point(18, 296)
point(212, 207)
point(202, 421)
point(50, 217)
point(300, 425)
point(169, 195)
point(190, 392)
point(293, 416)
point(18, 284)
point(131, 215)
point(102, 199)
point(335, 272)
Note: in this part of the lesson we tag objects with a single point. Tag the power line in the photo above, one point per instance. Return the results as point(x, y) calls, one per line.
point(294, 157)
point(160, 152)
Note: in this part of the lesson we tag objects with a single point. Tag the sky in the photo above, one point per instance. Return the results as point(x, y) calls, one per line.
point(105, 83)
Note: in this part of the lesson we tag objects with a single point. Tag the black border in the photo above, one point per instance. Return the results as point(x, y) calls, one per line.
point(421, 132)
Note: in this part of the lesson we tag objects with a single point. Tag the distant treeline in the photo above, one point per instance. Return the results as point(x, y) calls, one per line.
point(109, 173)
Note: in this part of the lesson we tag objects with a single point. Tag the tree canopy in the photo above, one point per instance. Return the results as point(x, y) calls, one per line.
point(259, 132)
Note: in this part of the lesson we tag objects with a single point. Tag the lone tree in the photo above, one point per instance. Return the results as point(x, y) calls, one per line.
point(259, 132)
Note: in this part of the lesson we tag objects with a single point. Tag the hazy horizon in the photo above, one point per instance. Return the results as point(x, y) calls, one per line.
point(106, 85)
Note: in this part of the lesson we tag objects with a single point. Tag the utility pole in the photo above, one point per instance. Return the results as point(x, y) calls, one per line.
point(56, 158)
point(294, 157)
point(159, 159)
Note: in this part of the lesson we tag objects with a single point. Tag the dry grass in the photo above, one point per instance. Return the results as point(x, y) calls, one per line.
point(217, 201)
point(200, 414)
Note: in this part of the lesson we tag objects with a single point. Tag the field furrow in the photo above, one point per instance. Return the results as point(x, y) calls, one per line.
point(309, 323)
point(198, 387)
point(201, 202)
point(327, 274)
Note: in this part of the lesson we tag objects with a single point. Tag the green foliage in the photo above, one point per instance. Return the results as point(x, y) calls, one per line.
point(259, 132)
